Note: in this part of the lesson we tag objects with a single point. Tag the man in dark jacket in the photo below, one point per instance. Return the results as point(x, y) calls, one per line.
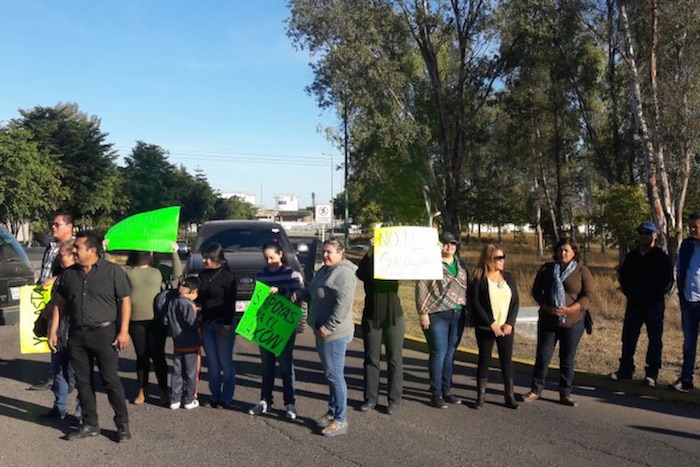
point(646, 275)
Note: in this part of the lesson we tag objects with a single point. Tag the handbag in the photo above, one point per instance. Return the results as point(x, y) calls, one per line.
point(588, 321)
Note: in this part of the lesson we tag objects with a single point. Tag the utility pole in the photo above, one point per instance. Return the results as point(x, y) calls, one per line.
point(345, 131)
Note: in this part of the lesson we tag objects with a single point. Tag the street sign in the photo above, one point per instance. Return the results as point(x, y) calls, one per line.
point(324, 214)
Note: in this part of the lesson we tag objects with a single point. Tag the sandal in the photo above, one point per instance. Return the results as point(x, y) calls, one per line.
point(336, 428)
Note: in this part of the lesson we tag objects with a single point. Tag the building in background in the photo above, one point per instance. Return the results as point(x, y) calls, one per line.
point(286, 202)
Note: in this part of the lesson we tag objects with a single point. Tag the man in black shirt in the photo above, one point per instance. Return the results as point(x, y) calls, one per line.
point(646, 275)
point(94, 294)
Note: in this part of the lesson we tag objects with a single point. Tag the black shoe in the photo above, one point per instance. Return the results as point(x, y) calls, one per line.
point(450, 399)
point(43, 386)
point(123, 433)
point(226, 406)
point(53, 413)
point(438, 402)
point(85, 431)
point(367, 406)
point(392, 408)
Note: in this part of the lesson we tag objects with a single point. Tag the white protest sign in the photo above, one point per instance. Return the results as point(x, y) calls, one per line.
point(407, 253)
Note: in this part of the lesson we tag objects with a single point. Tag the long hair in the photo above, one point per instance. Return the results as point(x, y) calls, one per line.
point(138, 258)
point(485, 262)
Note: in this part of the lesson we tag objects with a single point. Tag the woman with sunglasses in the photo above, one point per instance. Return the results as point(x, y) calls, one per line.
point(494, 306)
point(563, 289)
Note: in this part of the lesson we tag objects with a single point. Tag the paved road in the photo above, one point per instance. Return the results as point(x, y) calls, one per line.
point(606, 429)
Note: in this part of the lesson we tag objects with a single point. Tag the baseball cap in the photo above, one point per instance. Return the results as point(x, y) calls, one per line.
point(647, 225)
point(447, 237)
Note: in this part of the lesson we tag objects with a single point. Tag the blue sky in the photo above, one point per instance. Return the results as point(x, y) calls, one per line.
point(216, 83)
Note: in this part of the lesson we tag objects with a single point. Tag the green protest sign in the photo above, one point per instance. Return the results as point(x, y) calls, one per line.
point(270, 319)
point(146, 231)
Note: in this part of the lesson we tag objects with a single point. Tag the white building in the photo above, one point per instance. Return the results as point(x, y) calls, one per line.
point(286, 202)
point(246, 197)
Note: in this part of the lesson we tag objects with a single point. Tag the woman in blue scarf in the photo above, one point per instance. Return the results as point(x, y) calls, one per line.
point(563, 289)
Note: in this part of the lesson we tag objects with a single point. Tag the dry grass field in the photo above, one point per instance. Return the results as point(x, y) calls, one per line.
point(599, 352)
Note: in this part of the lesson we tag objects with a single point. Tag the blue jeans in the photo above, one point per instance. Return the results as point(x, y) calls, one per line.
point(443, 337)
point(651, 315)
point(269, 364)
point(219, 361)
point(332, 354)
point(690, 320)
point(63, 379)
point(547, 338)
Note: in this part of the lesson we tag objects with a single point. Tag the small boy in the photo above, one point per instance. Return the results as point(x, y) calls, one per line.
point(182, 319)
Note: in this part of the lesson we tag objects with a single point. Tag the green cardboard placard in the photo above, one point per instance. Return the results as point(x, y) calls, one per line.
point(270, 319)
point(146, 231)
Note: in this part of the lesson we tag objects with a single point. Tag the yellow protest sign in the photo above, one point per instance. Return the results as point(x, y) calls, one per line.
point(407, 253)
point(32, 301)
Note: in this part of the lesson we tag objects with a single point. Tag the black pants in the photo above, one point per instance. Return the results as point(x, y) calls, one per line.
point(485, 340)
point(87, 347)
point(547, 338)
point(149, 343)
point(392, 337)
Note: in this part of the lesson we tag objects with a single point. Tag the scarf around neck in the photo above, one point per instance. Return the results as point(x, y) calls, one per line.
point(558, 293)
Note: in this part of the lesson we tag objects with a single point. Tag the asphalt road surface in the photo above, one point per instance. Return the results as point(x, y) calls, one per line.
point(606, 428)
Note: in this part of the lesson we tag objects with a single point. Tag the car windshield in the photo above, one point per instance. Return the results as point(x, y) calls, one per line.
point(10, 250)
point(243, 239)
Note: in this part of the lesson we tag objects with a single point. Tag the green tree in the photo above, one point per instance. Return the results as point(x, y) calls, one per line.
point(29, 187)
point(83, 160)
point(149, 179)
point(233, 208)
point(410, 79)
point(621, 208)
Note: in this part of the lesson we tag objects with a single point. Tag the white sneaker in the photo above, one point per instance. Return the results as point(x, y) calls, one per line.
point(175, 405)
point(291, 411)
point(261, 407)
point(192, 405)
point(649, 382)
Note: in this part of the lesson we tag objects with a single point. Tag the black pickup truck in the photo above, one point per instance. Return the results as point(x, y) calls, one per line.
point(242, 241)
point(15, 271)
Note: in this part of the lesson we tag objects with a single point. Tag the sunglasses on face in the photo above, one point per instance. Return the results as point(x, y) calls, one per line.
point(644, 232)
point(499, 258)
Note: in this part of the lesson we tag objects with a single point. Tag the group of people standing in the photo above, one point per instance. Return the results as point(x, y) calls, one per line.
point(97, 305)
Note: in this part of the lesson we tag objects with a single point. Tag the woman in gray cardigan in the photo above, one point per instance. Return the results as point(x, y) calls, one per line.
point(330, 296)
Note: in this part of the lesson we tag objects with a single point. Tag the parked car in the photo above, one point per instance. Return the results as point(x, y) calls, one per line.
point(242, 241)
point(15, 271)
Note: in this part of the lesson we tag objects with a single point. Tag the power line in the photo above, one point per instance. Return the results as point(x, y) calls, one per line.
point(235, 157)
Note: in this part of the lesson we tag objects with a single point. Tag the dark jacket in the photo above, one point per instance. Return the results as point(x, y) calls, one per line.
point(382, 303)
point(480, 302)
point(645, 279)
point(183, 323)
point(578, 287)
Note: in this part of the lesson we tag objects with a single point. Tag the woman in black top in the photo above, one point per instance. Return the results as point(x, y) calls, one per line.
point(494, 306)
point(217, 297)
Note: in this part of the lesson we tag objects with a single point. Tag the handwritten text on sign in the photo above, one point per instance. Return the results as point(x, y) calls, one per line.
point(270, 319)
point(407, 253)
point(32, 301)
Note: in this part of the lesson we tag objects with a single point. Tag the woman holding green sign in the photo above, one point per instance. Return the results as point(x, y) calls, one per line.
point(330, 296)
point(286, 281)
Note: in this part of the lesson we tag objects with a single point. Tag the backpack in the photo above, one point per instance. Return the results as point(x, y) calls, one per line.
point(160, 303)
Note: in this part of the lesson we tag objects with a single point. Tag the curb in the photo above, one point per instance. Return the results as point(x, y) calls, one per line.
point(582, 378)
